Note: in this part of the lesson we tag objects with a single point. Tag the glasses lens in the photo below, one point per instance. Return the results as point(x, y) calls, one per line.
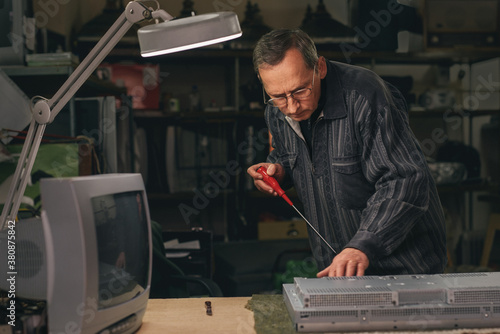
point(277, 102)
point(302, 94)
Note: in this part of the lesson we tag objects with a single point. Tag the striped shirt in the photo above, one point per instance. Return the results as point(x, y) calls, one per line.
point(363, 182)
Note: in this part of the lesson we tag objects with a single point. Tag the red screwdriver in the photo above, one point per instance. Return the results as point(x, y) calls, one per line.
point(271, 181)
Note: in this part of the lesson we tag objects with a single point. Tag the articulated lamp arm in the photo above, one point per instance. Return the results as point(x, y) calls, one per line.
point(45, 111)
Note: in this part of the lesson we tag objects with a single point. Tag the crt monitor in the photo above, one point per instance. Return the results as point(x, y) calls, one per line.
point(88, 256)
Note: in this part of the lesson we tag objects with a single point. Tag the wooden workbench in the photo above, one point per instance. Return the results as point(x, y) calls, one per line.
point(188, 315)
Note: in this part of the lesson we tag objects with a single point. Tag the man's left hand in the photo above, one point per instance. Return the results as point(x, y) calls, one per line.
point(349, 262)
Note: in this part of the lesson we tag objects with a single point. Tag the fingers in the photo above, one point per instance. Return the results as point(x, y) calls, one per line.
point(350, 262)
point(264, 187)
point(361, 270)
point(350, 268)
point(324, 272)
point(252, 171)
point(354, 268)
point(271, 169)
point(257, 179)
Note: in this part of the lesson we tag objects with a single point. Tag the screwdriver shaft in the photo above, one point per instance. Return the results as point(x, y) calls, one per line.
point(271, 181)
point(315, 231)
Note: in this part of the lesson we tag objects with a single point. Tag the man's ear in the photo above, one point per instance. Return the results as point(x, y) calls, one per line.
point(322, 67)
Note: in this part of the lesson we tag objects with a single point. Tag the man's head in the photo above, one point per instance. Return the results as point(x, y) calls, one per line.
point(287, 62)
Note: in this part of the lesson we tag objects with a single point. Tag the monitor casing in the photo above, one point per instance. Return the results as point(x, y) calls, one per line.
point(394, 302)
point(66, 268)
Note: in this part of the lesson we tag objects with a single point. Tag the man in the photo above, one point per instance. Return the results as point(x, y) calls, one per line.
point(341, 138)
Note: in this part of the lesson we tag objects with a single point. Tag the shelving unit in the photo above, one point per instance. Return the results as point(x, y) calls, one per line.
point(233, 213)
point(238, 64)
point(227, 209)
point(29, 78)
point(221, 213)
point(45, 81)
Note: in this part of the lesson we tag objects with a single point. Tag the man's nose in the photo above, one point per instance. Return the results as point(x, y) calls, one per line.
point(292, 105)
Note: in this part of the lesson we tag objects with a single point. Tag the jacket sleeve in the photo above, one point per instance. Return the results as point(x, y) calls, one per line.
point(394, 163)
point(275, 156)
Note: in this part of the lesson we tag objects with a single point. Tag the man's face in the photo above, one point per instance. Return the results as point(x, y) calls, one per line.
point(290, 76)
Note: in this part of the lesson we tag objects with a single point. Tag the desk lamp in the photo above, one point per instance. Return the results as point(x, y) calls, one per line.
point(161, 38)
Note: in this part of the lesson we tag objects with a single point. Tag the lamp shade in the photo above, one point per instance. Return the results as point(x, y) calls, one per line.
point(188, 33)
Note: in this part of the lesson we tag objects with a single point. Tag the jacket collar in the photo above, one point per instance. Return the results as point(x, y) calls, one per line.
point(335, 103)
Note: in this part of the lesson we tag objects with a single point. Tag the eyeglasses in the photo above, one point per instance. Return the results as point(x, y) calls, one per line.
point(298, 95)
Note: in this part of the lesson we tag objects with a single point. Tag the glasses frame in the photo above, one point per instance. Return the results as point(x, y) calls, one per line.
point(272, 103)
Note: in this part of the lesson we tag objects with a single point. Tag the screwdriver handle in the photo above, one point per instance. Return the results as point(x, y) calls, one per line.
point(271, 181)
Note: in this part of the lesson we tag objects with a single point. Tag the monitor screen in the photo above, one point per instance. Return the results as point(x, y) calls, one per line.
point(122, 246)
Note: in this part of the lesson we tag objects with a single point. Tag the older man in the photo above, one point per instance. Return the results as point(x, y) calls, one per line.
point(342, 139)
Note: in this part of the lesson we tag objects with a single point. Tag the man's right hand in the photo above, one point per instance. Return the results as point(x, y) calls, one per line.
point(275, 170)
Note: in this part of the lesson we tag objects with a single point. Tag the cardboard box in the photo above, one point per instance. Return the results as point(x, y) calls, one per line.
point(287, 229)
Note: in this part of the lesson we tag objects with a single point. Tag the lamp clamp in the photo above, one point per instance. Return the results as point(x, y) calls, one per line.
point(136, 12)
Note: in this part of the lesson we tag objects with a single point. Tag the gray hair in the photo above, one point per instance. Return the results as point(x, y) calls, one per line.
point(271, 48)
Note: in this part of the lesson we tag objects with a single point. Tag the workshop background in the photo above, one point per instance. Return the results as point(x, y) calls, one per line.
point(192, 122)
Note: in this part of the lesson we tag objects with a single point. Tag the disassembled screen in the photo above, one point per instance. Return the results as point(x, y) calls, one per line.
point(404, 302)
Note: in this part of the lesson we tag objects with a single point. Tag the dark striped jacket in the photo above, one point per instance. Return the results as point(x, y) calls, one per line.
point(365, 183)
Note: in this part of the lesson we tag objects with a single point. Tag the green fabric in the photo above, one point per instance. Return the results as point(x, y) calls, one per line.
point(294, 268)
point(57, 160)
point(270, 314)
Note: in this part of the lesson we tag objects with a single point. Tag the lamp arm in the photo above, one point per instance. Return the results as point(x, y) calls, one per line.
point(22, 173)
point(134, 12)
point(45, 111)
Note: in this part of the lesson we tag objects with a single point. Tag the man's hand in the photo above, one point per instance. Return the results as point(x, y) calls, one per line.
point(349, 262)
point(275, 170)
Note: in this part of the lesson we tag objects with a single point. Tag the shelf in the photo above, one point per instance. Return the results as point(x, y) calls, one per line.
point(53, 78)
point(233, 115)
point(448, 113)
point(422, 57)
point(467, 187)
point(36, 70)
point(238, 65)
point(329, 52)
point(196, 117)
